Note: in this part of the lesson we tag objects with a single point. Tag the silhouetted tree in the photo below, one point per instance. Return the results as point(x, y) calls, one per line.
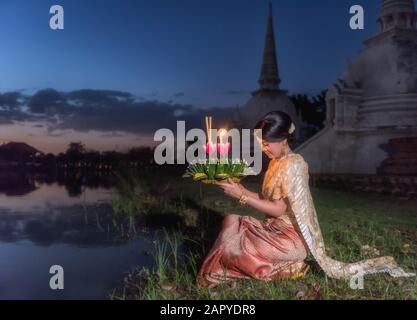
point(312, 110)
point(75, 148)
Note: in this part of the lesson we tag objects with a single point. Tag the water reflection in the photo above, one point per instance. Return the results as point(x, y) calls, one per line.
point(42, 224)
point(15, 184)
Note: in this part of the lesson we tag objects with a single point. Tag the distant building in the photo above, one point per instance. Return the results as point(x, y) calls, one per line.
point(374, 108)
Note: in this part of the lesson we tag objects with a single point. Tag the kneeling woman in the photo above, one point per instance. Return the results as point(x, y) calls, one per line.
point(276, 247)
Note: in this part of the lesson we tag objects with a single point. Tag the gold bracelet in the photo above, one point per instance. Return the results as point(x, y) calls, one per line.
point(243, 199)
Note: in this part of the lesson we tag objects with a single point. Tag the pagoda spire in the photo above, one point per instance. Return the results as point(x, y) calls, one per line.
point(269, 79)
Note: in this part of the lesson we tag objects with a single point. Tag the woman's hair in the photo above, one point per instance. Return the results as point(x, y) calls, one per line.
point(276, 126)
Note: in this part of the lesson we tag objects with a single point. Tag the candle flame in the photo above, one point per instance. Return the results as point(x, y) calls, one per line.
point(222, 132)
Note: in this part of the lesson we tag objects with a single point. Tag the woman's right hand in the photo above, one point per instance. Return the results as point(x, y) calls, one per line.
point(231, 188)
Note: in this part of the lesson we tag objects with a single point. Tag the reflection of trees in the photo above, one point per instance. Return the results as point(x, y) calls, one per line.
point(73, 185)
point(77, 168)
point(16, 184)
point(22, 183)
point(75, 182)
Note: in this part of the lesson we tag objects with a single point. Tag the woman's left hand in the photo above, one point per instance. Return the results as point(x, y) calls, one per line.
point(231, 188)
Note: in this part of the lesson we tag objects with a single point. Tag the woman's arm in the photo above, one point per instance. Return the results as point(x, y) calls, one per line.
point(274, 208)
point(249, 194)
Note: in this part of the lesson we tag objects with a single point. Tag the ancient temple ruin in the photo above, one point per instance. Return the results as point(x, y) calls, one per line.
point(269, 97)
point(372, 112)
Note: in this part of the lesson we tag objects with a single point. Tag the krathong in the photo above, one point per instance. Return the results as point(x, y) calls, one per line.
point(213, 169)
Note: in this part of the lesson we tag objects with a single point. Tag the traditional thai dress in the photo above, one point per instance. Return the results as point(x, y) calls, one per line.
point(275, 248)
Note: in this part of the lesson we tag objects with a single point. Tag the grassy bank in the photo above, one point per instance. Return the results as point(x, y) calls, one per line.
point(355, 226)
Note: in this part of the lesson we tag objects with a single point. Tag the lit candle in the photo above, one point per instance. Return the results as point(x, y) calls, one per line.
point(210, 148)
point(224, 147)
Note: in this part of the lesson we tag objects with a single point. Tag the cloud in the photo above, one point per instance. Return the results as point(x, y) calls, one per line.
point(10, 100)
point(100, 97)
point(47, 101)
point(4, 120)
point(179, 95)
point(102, 110)
point(112, 135)
point(56, 134)
point(237, 92)
point(15, 115)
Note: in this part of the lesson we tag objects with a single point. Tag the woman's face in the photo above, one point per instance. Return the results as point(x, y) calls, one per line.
point(272, 149)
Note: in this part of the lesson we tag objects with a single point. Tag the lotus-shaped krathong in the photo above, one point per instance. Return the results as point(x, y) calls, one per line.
point(213, 169)
point(210, 172)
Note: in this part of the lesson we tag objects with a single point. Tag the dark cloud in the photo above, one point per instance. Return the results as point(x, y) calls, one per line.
point(47, 101)
point(179, 95)
point(104, 110)
point(102, 98)
point(10, 100)
point(15, 115)
point(56, 134)
point(236, 92)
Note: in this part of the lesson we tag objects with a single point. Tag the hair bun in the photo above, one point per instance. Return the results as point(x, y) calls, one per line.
point(276, 126)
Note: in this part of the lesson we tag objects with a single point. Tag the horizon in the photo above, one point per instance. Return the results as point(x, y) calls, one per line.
point(122, 151)
point(98, 82)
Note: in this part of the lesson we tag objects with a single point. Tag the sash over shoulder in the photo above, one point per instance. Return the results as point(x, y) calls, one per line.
point(292, 181)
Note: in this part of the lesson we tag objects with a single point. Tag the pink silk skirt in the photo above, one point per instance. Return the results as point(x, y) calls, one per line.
point(248, 248)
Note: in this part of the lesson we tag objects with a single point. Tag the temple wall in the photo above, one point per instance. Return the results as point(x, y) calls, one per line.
point(334, 152)
point(389, 111)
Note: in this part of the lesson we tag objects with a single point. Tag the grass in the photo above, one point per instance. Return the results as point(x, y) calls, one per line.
point(355, 226)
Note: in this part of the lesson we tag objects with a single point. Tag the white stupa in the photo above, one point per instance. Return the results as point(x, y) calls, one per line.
point(375, 102)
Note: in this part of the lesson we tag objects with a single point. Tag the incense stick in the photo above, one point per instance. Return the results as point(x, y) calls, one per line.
point(207, 128)
point(210, 123)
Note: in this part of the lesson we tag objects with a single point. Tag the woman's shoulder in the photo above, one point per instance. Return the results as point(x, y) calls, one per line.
point(293, 160)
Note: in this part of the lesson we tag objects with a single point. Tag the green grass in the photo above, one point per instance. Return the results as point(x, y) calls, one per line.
point(349, 222)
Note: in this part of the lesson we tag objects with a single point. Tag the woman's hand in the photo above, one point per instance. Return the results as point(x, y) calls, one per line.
point(231, 188)
point(272, 208)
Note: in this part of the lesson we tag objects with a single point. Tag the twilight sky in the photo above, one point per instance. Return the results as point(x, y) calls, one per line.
point(123, 68)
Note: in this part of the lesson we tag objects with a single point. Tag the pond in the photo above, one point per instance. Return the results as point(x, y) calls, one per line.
point(45, 225)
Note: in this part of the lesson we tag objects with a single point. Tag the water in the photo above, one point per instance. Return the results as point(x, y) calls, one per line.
point(45, 224)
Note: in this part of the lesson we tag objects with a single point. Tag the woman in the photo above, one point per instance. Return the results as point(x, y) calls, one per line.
point(276, 247)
